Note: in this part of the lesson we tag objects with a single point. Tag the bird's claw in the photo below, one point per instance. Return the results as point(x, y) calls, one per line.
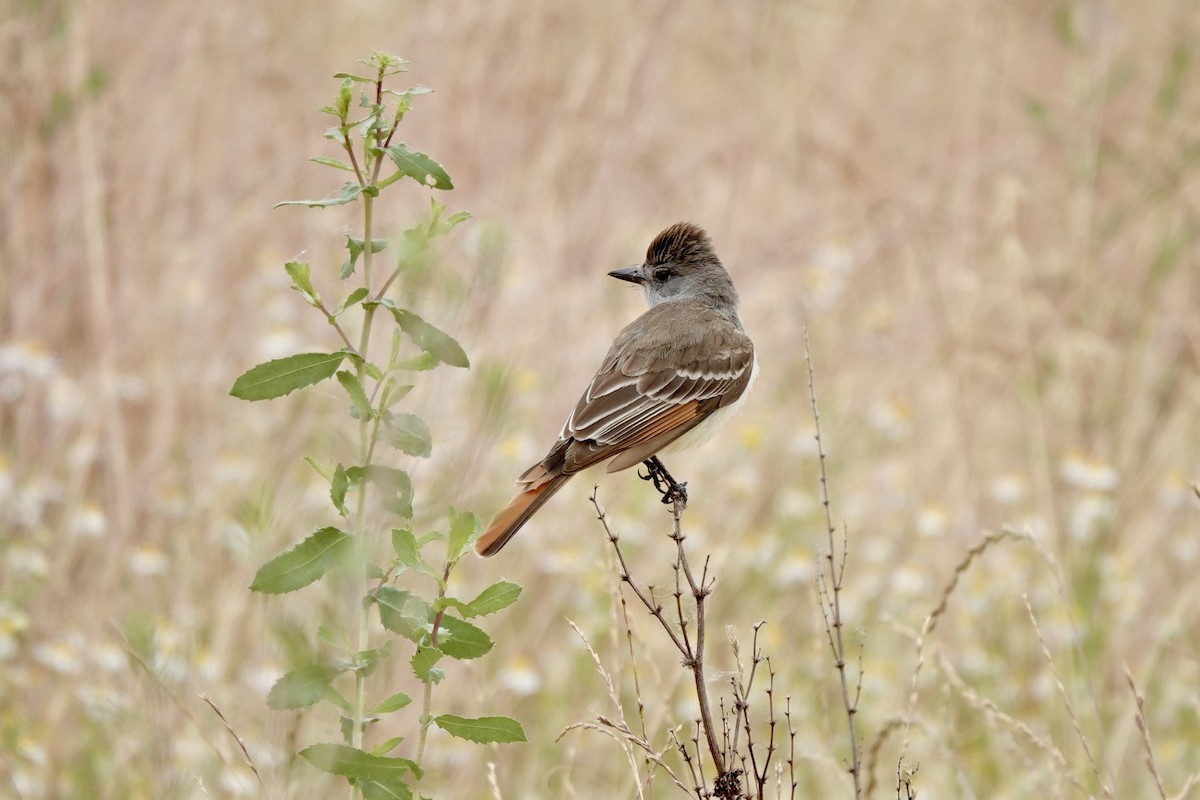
point(671, 491)
point(675, 493)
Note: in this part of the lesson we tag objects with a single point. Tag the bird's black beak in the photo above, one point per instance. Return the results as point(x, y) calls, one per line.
point(631, 274)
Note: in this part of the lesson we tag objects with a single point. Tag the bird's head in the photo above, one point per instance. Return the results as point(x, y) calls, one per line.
point(680, 264)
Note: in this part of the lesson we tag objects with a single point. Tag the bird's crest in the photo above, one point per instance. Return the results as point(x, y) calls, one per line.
point(679, 244)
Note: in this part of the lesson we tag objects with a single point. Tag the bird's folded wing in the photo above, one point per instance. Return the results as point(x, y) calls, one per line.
point(640, 395)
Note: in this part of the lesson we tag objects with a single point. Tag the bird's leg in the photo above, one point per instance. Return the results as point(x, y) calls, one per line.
point(668, 487)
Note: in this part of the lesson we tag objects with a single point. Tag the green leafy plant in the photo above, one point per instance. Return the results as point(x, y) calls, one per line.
point(369, 496)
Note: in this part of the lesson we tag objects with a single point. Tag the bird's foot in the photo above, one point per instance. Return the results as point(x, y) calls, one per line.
point(671, 490)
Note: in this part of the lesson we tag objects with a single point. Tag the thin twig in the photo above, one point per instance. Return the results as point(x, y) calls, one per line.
point(697, 780)
point(1062, 691)
point(904, 781)
point(160, 684)
point(889, 726)
point(1140, 718)
point(1193, 780)
point(771, 722)
point(616, 701)
point(691, 651)
point(741, 694)
point(791, 761)
point(493, 782)
point(620, 732)
point(654, 607)
point(982, 703)
point(332, 320)
point(699, 593)
point(637, 683)
point(931, 620)
point(386, 284)
point(348, 145)
point(240, 742)
point(830, 595)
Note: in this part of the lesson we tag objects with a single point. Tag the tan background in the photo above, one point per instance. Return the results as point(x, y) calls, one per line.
point(984, 212)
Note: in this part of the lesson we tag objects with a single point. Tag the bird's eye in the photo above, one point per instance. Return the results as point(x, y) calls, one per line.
point(662, 274)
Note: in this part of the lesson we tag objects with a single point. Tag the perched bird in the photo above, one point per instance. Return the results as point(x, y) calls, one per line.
point(670, 379)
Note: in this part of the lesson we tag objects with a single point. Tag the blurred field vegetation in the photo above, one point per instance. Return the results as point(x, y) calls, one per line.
point(986, 213)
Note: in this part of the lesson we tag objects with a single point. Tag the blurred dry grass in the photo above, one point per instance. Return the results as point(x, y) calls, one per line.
point(985, 212)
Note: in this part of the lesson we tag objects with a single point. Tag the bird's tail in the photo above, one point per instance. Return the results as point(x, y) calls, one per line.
point(518, 511)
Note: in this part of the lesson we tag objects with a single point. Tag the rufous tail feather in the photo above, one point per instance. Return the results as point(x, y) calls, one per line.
point(515, 514)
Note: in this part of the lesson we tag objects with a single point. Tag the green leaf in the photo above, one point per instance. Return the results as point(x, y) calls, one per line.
point(436, 225)
point(413, 92)
point(331, 637)
point(337, 489)
point(366, 660)
point(408, 433)
point(394, 790)
point(453, 221)
point(334, 697)
point(349, 194)
point(294, 640)
point(357, 396)
point(355, 78)
point(461, 640)
point(422, 664)
point(285, 375)
point(420, 363)
point(303, 563)
point(447, 601)
point(335, 133)
point(301, 687)
point(394, 482)
point(393, 703)
point(419, 167)
point(408, 552)
point(481, 729)
point(355, 297)
point(345, 95)
point(386, 63)
point(394, 394)
point(317, 466)
point(355, 246)
point(464, 528)
point(350, 762)
point(300, 273)
point(402, 613)
point(332, 162)
point(495, 597)
point(383, 747)
point(404, 102)
point(429, 338)
point(411, 617)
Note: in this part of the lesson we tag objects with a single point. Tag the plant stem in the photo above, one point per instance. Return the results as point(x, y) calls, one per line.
point(831, 603)
point(366, 448)
point(427, 698)
point(693, 654)
point(699, 592)
point(368, 218)
point(364, 619)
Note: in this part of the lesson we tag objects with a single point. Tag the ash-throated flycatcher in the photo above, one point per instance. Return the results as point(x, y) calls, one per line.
point(680, 368)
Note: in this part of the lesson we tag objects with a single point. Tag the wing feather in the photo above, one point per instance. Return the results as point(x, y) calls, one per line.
point(649, 385)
